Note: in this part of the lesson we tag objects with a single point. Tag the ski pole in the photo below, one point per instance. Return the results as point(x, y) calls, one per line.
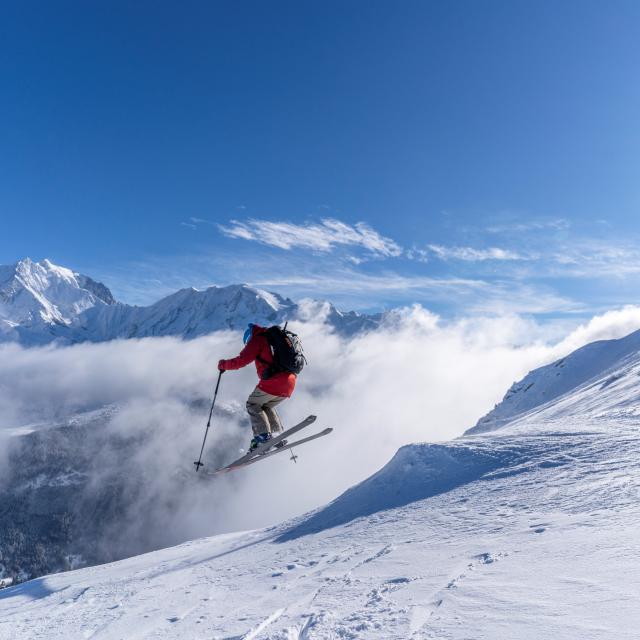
point(206, 433)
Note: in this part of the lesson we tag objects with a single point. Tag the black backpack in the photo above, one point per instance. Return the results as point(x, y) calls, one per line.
point(286, 349)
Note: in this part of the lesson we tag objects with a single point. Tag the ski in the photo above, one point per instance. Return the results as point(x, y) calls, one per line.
point(267, 445)
point(244, 463)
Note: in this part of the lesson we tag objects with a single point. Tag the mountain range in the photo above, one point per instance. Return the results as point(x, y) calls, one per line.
point(41, 303)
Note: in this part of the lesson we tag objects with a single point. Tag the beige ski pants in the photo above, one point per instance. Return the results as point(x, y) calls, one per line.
point(262, 412)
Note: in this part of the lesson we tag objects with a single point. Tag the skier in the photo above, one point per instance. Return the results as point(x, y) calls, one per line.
point(272, 389)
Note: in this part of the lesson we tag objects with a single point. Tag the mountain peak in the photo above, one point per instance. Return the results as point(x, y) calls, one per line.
point(41, 302)
point(35, 296)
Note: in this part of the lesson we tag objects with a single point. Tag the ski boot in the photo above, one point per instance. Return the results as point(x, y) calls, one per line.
point(256, 441)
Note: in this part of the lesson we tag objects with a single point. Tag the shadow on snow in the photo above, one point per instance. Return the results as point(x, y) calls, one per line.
point(34, 589)
point(416, 472)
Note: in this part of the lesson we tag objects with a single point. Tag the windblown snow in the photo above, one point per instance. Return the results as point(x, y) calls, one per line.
point(526, 527)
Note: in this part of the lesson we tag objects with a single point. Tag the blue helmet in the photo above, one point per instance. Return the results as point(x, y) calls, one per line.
point(248, 333)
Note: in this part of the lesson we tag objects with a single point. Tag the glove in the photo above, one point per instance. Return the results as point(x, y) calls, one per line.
point(221, 365)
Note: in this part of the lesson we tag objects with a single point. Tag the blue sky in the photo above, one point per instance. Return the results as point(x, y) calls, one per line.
point(476, 157)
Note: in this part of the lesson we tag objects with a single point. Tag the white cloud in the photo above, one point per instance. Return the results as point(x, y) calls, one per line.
point(421, 255)
point(465, 295)
point(194, 222)
point(555, 224)
point(358, 287)
point(323, 236)
point(470, 254)
point(506, 297)
point(581, 258)
point(547, 258)
point(611, 324)
point(589, 258)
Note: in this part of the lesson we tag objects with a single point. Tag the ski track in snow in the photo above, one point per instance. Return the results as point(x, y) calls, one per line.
point(529, 532)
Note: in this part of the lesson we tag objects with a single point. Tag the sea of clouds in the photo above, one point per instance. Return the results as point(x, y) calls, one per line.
point(416, 378)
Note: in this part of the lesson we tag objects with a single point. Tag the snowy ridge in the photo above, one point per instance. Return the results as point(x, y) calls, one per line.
point(188, 313)
point(42, 303)
point(548, 383)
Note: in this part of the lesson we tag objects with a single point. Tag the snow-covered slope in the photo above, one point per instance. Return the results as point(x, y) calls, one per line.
point(548, 383)
point(42, 303)
point(529, 531)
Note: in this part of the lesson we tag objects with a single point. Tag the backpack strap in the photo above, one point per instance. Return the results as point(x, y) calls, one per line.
point(258, 358)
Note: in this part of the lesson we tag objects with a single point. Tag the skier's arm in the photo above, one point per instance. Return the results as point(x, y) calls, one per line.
point(246, 356)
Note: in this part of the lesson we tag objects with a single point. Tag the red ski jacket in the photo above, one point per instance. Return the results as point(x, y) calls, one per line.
point(258, 350)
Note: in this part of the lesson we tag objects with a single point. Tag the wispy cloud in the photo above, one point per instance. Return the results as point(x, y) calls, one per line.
point(470, 254)
point(472, 295)
point(555, 224)
point(348, 280)
point(194, 222)
point(594, 259)
point(323, 236)
point(581, 258)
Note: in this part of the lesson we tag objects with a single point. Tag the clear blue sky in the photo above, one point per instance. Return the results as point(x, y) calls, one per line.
point(491, 149)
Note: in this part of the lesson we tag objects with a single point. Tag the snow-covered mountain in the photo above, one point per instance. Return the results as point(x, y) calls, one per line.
point(38, 301)
point(525, 528)
point(606, 358)
point(42, 303)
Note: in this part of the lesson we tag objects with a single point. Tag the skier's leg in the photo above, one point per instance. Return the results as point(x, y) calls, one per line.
point(259, 420)
point(272, 415)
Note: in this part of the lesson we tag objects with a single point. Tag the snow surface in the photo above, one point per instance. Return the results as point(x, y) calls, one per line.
point(529, 531)
point(548, 383)
point(42, 303)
